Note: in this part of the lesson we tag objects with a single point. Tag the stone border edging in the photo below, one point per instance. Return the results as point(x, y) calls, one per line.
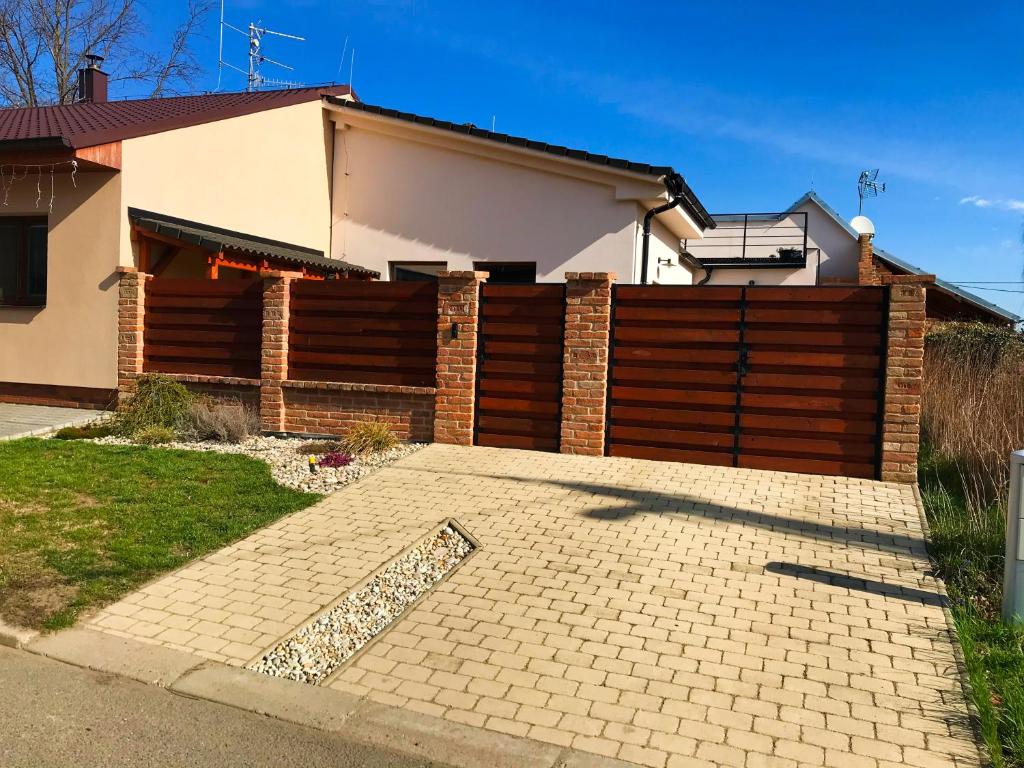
point(15, 637)
point(954, 640)
point(356, 718)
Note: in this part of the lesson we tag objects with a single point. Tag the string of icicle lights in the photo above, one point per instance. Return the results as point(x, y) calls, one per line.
point(14, 172)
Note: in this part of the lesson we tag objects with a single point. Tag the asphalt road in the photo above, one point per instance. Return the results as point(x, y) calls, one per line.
point(54, 714)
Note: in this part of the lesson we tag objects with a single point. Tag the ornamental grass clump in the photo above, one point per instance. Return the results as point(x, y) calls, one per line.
point(222, 421)
point(369, 437)
point(154, 434)
point(158, 401)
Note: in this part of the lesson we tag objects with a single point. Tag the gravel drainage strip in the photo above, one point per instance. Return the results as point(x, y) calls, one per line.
point(320, 647)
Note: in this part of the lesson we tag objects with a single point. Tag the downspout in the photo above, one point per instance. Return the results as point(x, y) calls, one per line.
point(677, 191)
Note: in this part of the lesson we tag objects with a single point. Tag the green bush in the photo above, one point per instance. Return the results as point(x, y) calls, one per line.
point(154, 434)
point(85, 432)
point(158, 401)
point(369, 437)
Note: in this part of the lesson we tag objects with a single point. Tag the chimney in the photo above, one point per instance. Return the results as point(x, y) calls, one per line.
point(867, 274)
point(92, 82)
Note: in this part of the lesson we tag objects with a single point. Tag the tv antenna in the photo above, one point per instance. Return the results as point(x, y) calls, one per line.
point(255, 79)
point(868, 186)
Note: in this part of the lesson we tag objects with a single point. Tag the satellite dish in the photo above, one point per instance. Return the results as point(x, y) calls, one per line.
point(862, 225)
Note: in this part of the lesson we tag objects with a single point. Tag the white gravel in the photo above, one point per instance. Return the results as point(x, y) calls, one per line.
point(325, 643)
point(287, 466)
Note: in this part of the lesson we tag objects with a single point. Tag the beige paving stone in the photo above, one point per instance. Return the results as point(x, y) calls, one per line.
point(653, 612)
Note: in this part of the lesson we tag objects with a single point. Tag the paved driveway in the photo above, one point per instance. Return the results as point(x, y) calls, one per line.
point(664, 614)
point(23, 420)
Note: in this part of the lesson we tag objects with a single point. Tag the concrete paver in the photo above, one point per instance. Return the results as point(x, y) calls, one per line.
point(18, 420)
point(664, 614)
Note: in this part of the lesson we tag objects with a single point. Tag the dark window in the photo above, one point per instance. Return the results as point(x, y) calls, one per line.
point(416, 270)
point(23, 261)
point(508, 271)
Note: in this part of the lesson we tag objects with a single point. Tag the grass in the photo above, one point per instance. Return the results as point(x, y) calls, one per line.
point(967, 544)
point(83, 524)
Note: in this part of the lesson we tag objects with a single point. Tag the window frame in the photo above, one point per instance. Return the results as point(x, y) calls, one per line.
point(22, 298)
point(392, 265)
point(486, 266)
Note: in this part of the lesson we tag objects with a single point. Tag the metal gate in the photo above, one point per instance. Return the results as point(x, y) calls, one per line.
point(771, 378)
point(519, 366)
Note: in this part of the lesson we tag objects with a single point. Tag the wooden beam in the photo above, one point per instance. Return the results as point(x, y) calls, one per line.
point(165, 261)
point(144, 256)
point(211, 268)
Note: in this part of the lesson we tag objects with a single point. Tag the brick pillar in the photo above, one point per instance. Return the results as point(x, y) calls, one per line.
point(901, 427)
point(131, 309)
point(588, 306)
point(867, 274)
point(274, 351)
point(458, 303)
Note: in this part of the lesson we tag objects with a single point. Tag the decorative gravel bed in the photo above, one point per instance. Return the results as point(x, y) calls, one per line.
point(324, 644)
point(287, 465)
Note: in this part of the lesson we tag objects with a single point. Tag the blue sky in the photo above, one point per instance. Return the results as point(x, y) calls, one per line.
point(754, 103)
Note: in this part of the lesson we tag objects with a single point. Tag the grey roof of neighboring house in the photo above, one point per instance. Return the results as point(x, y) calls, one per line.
point(693, 205)
point(217, 239)
point(941, 284)
point(887, 257)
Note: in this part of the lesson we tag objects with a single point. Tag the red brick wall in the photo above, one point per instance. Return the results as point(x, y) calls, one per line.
point(458, 303)
point(130, 313)
point(331, 409)
point(901, 429)
point(588, 298)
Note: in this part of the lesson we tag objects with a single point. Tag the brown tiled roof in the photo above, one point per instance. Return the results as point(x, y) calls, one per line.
point(87, 124)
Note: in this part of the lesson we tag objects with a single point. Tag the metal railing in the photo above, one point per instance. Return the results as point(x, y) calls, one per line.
point(753, 239)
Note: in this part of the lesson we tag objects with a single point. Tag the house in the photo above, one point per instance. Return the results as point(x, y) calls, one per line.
point(314, 181)
point(311, 180)
point(809, 243)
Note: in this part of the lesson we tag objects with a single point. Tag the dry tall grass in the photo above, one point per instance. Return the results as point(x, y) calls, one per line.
point(972, 410)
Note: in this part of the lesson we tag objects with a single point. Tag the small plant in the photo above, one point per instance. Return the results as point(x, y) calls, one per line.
point(318, 447)
point(369, 437)
point(226, 422)
point(154, 434)
point(85, 432)
point(158, 401)
point(335, 459)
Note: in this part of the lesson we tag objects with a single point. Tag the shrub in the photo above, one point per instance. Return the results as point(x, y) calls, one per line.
point(226, 422)
point(335, 459)
point(154, 434)
point(369, 437)
point(318, 447)
point(972, 406)
point(85, 432)
point(158, 401)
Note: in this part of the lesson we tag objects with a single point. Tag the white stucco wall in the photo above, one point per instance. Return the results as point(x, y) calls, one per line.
point(664, 247)
point(398, 199)
point(266, 174)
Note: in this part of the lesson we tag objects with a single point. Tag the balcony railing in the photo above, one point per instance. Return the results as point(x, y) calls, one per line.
point(753, 240)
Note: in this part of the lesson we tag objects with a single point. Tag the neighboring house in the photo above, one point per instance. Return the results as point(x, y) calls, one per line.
point(811, 244)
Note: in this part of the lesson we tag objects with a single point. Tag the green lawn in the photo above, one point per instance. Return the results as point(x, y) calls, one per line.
point(968, 549)
point(82, 524)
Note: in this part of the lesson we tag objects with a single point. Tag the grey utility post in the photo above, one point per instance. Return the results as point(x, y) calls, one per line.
point(1013, 581)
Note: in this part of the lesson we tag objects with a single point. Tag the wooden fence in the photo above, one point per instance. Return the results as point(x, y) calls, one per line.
point(206, 327)
point(363, 332)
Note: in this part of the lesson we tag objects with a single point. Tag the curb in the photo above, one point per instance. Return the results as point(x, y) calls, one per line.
point(16, 637)
point(358, 719)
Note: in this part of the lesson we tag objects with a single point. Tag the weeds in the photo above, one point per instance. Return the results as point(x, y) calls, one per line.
point(226, 422)
point(158, 401)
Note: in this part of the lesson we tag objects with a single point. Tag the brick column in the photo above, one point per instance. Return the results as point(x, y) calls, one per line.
point(458, 304)
point(274, 350)
point(867, 274)
point(588, 305)
point(131, 309)
point(901, 427)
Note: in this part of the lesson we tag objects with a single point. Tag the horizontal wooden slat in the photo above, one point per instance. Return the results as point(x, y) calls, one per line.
point(363, 290)
point(665, 355)
point(680, 293)
point(718, 459)
point(549, 371)
point(232, 353)
point(495, 291)
point(681, 396)
point(517, 425)
point(307, 324)
point(234, 303)
point(807, 466)
point(202, 318)
point(307, 372)
point(246, 337)
point(528, 388)
point(681, 314)
point(834, 295)
point(522, 348)
point(800, 338)
point(537, 312)
point(202, 368)
point(517, 405)
point(850, 383)
point(623, 373)
point(848, 424)
point(845, 448)
point(346, 307)
point(526, 442)
point(666, 336)
point(671, 417)
point(329, 342)
point(164, 286)
point(820, 317)
point(673, 438)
